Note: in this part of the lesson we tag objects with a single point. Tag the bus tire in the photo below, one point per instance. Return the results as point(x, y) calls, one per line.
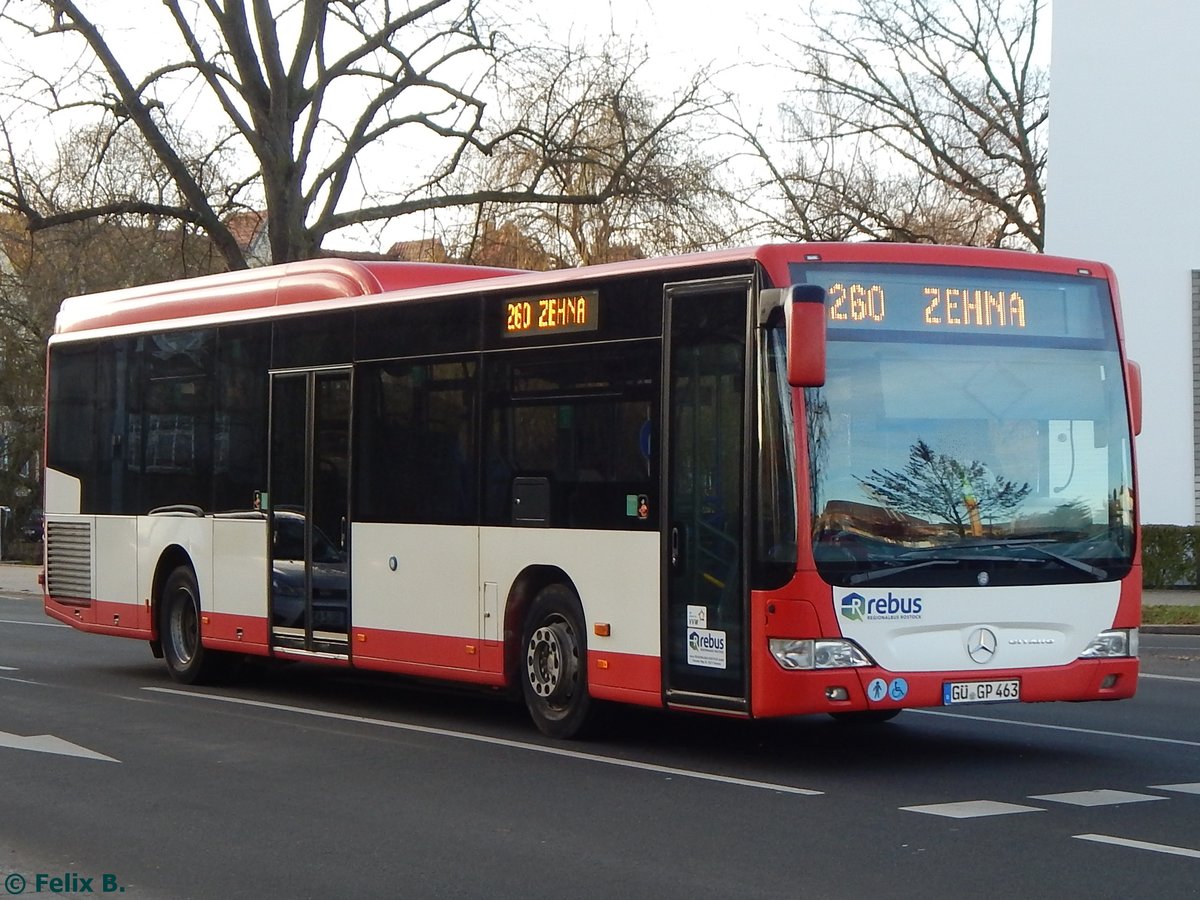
point(553, 667)
point(866, 716)
point(188, 662)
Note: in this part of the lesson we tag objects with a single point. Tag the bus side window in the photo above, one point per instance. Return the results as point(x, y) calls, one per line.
point(416, 443)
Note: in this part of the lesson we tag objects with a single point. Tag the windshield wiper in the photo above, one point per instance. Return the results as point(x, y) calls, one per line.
point(872, 574)
point(1095, 571)
point(1033, 544)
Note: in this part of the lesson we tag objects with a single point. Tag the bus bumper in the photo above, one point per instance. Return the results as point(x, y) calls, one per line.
point(785, 693)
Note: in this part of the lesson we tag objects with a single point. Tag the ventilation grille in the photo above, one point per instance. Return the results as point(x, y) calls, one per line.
point(69, 559)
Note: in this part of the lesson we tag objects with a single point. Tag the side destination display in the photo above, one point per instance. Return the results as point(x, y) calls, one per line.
point(555, 314)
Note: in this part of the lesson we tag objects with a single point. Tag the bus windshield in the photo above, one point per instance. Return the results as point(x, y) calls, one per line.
point(972, 429)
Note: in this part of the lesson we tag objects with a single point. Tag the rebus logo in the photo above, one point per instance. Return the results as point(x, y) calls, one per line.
point(856, 607)
point(706, 641)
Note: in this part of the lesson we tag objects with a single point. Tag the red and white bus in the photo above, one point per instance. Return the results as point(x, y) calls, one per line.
point(839, 478)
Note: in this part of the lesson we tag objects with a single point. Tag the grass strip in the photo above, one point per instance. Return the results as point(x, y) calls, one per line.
point(1170, 615)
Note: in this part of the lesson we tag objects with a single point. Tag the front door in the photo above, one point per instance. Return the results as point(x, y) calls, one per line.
point(308, 506)
point(706, 375)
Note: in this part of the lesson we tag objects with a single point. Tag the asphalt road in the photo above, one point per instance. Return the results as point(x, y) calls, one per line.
point(301, 782)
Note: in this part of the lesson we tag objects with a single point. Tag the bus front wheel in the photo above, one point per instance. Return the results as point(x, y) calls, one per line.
point(554, 663)
point(179, 630)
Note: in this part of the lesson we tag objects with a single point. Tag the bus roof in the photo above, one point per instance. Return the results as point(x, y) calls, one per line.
point(320, 283)
point(257, 288)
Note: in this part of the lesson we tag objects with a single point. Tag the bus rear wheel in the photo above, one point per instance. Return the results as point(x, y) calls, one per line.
point(188, 661)
point(554, 664)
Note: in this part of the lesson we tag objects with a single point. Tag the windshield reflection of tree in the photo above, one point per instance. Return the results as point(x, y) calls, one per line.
point(940, 488)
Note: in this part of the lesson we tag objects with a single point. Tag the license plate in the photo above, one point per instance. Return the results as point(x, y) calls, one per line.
point(1004, 691)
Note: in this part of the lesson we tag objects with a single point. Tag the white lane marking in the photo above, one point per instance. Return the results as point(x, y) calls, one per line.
point(1096, 798)
point(499, 742)
point(1189, 788)
point(972, 809)
point(1069, 728)
point(1170, 678)
point(39, 624)
point(20, 680)
point(1139, 845)
point(48, 743)
point(8, 668)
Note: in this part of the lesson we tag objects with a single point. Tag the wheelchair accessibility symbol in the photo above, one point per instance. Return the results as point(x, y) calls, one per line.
point(878, 689)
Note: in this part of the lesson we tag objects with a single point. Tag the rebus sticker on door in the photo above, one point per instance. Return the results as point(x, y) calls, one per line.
point(706, 648)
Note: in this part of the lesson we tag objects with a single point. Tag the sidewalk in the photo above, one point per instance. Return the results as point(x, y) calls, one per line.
point(1171, 598)
point(20, 579)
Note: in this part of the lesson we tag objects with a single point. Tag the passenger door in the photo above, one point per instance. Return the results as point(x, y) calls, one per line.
point(308, 506)
point(705, 379)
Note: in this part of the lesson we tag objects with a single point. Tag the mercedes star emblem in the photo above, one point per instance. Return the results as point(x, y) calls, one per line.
point(981, 645)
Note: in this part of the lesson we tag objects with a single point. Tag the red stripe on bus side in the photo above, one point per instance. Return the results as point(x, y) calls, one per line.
point(220, 632)
point(129, 620)
point(429, 655)
point(626, 677)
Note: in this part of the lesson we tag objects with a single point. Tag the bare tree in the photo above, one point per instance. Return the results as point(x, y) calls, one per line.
point(127, 190)
point(338, 105)
point(581, 122)
point(23, 333)
point(93, 169)
point(916, 120)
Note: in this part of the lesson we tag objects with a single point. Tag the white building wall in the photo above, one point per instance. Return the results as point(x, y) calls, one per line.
point(1123, 186)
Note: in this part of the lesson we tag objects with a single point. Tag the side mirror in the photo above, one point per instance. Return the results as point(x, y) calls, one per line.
point(804, 311)
point(1133, 383)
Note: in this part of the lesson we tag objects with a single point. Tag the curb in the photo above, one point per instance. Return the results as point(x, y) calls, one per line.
point(1169, 629)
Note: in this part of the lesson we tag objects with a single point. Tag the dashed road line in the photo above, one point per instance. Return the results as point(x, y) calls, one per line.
point(975, 809)
point(1096, 798)
point(1139, 845)
point(1192, 787)
point(972, 809)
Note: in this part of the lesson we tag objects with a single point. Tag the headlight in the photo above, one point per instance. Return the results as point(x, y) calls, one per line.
point(825, 653)
point(1117, 642)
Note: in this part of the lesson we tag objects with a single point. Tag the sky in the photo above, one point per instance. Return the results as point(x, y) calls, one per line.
point(684, 34)
point(677, 28)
